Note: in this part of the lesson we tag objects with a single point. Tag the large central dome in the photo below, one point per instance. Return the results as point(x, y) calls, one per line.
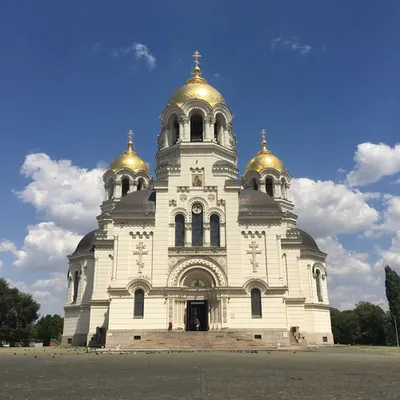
point(197, 88)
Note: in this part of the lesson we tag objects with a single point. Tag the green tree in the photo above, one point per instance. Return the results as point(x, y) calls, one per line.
point(345, 326)
point(371, 319)
point(49, 327)
point(18, 311)
point(392, 285)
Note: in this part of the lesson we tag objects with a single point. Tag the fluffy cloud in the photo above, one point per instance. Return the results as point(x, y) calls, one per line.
point(44, 249)
point(327, 208)
point(140, 51)
point(49, 293)
point(67, 195)
point(391, 256)
point(373, 162)
point(351, 276)
point(293, 44)
point(68, 198)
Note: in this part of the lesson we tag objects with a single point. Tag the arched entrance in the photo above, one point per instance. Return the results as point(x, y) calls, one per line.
point(198, 298)
point(199, 284)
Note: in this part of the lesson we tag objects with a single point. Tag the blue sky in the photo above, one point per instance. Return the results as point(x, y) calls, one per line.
point(321, 77)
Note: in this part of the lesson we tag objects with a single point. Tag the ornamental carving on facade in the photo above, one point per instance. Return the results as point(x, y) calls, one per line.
point(140, 253)
point(140, 283)
point(215, 270)
point(253, 251)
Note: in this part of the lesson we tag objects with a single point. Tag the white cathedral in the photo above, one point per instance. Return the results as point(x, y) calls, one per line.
point(196, 247)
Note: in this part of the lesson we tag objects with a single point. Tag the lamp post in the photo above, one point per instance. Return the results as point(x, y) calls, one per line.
point(395, 328)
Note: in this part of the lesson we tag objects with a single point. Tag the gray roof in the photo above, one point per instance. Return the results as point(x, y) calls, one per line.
point(86, 243)
point(139, 202)
point(308, 241)
point(253, 201)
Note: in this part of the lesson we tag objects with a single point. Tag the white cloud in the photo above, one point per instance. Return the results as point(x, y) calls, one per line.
point(50, 302)
point(45, 248)
point(1, 265)
point(373, 162)
point(327, 208)
point(66, 194)
point(140, 51)
point(391, 256)
point(293, 44)
point(390, 221)
point(55, 281)
point(351, 277)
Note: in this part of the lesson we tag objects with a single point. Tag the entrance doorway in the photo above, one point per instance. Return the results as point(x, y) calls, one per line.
point(197, 315)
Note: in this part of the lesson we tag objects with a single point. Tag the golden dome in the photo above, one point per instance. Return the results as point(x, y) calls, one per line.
point(264, 159)
point(129, 159)
point(197, 88)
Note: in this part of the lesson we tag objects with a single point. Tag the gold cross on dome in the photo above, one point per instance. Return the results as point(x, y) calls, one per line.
point(263, 132)
point(196, 57)
point(130, 135)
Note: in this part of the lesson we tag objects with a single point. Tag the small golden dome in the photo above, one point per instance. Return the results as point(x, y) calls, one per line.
point(197, 88)
point(264, 159)
point(129, 159)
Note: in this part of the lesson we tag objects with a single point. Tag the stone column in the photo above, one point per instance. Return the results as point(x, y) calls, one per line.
point(115, 258)
point(206, 239)
point(167, 136)
point(106, 189)
point(184, 129)
point(188, 235)
point(95, 274)
point(132, 186)
point(310, 283)
point(277, 189)
point(222, 233)
point(118, 190)
point(225, 138)
point(279, 249)
point(209, 128)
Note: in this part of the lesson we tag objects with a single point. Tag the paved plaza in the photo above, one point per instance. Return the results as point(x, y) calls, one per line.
point(320, 374)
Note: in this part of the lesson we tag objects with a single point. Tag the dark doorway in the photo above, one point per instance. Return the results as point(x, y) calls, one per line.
point(197, 315)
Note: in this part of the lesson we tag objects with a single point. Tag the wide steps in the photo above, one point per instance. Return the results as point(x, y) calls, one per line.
point(199, 340)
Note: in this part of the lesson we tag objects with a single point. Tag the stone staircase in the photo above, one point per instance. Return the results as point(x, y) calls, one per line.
point(200, 341)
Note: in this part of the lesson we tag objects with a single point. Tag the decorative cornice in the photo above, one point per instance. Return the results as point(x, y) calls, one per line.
point(100, 302)
point(80, 256)
point(294, 300)
point(321, 306)
point(312, 254)
point(197, 251)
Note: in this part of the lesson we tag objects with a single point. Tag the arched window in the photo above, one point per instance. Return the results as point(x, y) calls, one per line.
point(140, 185)
point(196, 128)
point(318, 284)
point(197, 225)
point(256, 303)
point(174, 130)
point(125, 186)
point(110, 189)
point(269, 186)
point(179, 230)
point(254, 184)
point(76, 286)
point(215, 230)
point(283, 188)
point(138, 310)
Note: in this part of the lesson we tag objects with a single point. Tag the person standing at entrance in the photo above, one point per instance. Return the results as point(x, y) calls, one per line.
point(197, 324)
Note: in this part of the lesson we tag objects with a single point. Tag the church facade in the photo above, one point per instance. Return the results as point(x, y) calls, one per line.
point(197, 247)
